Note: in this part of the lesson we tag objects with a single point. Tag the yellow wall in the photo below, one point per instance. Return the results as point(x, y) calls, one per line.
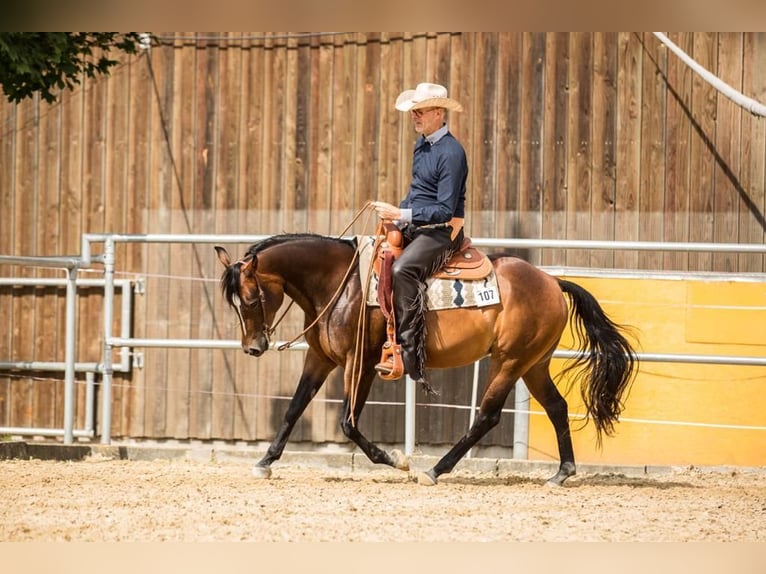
point(684, 316)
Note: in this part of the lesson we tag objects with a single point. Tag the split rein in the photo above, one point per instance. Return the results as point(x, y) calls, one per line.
point(269, 330)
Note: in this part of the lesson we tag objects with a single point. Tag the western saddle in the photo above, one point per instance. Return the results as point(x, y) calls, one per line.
point(467, 263)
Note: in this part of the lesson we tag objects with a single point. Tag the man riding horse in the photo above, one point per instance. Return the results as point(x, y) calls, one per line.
point(430, 217)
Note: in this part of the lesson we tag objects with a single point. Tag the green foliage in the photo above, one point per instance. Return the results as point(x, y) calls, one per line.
point(47, 62)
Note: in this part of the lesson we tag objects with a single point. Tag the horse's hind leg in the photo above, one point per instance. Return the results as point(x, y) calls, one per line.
point(484, 422)
point(501, 380)
point(541, 387)
point(315, 371)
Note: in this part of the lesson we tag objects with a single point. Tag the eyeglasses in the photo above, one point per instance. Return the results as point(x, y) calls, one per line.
point(418, 113)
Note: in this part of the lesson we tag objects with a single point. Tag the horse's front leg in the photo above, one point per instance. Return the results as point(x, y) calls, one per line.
point(315, 371)
point(377, 455)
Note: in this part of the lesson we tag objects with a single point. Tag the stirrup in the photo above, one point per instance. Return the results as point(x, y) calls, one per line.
point(390, 366)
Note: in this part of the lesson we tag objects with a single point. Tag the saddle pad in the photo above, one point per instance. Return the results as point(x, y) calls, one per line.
point(441, 293)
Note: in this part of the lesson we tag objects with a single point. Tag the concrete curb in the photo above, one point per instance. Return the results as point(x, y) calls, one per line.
point(342, 461)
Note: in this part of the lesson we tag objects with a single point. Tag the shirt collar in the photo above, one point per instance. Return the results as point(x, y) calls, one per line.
point(437, 135)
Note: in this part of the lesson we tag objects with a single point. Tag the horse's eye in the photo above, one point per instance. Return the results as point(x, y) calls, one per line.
point(249, 303)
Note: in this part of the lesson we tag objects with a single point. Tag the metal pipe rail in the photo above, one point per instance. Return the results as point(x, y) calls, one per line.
point(522, 396)
point(107, 258)
point(125, 286)
point(71, 265)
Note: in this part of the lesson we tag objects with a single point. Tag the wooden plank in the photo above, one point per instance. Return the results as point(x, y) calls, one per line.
point(205, 117)
point(160, 183)
point(299, 93)
point(322, 197)
point(389, 122)
point(49, 333)
point(293, 193)
point(604, 145)
point(431, 61)
point(701, 188)
point(555, 111)
point(93, 193)
point(442, 55)
point(183, 259)
point(413, 72)
point(289, 364)
point(752, 227)
point(322, 141)
point(391, 418)
point(242, 371)
point(629, 81)
point(651, 200)
point(9, 117)
point(309, 119)
point(461, 86)
point(270, 411)
point(343, 126)
point(508, 134)
point(24, 243)
point(728, 195)
point(135, 221)
point(677, 155)
point(366, 125)
point(273, 165)
point(226, 399)
point(533, 89)
point(484, 102)
point(580, 148)
point(74, 140)
point(116, 217)
point(250, 191)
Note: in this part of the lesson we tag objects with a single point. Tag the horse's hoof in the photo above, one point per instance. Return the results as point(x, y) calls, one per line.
point(400, 460)
point(262, 471)
point(426, 479)
point(564, 473)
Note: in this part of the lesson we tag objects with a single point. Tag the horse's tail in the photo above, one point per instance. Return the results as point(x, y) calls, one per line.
point(607, 362)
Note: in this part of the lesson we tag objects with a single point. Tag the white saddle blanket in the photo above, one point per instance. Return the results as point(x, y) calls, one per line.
point(441, 293)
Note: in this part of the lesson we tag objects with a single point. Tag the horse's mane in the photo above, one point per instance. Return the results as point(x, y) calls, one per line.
point(256, 248)
point(230, 278)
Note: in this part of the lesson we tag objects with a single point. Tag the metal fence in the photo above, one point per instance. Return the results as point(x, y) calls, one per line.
point(107, 367)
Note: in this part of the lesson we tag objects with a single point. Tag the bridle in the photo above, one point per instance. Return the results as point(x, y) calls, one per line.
point(266, 330)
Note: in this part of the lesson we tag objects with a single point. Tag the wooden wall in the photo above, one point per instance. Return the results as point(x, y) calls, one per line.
point(569, 135)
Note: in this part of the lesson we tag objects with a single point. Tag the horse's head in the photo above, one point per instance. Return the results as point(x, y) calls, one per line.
point(256, 300)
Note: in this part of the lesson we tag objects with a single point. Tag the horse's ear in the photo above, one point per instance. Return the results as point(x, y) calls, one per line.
point(223, 256)
point(248, 266)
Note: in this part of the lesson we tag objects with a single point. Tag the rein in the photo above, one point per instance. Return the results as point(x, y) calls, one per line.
point(356, 370)
point(332, 300)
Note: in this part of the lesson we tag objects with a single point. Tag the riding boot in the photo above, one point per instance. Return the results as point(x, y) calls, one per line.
point(410, 331)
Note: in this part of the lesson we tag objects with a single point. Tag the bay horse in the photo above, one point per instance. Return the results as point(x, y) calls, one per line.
point(321, 275)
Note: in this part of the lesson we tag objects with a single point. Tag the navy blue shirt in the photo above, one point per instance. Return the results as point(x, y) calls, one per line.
point(439, 173)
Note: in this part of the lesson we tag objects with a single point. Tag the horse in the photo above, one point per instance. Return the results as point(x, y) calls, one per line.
point(321, 274)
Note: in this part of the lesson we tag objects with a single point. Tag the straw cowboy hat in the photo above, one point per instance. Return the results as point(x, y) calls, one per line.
point(426, 95)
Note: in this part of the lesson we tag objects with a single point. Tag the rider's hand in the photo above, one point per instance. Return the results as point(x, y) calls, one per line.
point(386, 210)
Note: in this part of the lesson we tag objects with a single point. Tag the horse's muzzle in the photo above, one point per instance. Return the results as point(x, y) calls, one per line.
point(255, 351)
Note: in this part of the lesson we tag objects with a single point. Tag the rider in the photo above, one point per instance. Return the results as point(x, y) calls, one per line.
point(430, 216)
